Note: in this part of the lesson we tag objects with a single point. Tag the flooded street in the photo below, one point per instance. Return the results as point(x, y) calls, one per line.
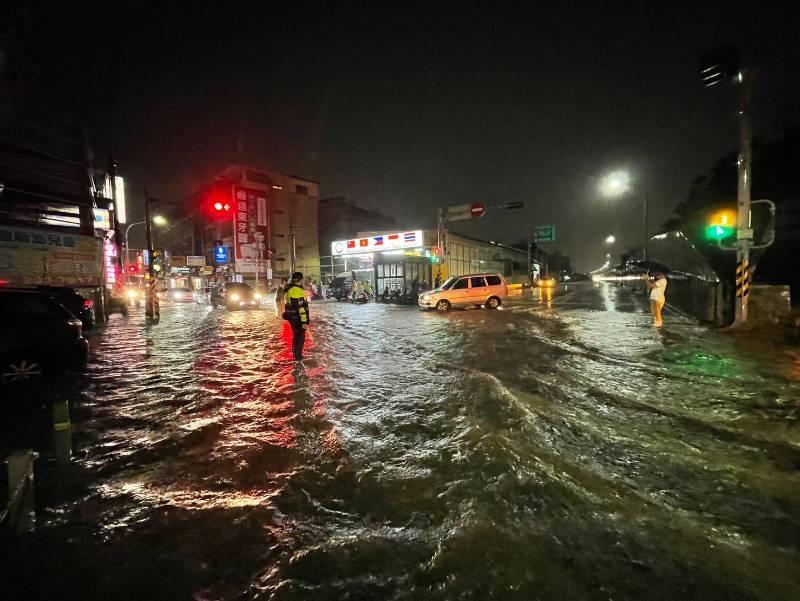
point(560, 448)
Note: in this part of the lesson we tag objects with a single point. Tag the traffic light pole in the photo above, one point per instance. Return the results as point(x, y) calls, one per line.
point(744, 233)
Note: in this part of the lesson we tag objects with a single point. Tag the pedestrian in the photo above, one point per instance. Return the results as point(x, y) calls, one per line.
point(296, 313)
point(657, 287)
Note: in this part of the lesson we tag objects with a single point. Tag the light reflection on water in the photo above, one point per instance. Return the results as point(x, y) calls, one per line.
point(512, 454)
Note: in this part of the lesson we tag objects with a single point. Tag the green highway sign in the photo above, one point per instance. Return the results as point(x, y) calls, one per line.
point(544, 233)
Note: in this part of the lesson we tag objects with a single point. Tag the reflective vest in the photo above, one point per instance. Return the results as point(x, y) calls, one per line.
point(296, 304)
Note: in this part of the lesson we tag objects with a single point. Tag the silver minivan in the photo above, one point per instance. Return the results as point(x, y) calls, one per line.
point(476, 289)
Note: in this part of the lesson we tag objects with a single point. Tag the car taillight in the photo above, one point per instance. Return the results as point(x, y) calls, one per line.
point(87, 304)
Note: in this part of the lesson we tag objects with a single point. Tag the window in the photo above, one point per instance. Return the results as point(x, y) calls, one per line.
point(493, 280)
point(301, 189)
point(478, 283)
point(461, 284)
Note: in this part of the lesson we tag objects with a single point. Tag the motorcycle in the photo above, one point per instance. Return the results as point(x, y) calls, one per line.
point(316, 294)
point(360, 298)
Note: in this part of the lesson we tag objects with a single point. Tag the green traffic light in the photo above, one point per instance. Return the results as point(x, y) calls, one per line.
point(719, 232)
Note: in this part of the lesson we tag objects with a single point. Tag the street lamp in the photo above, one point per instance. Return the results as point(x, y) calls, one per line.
point(619, 183)
point(157, 219)
point(611, 240)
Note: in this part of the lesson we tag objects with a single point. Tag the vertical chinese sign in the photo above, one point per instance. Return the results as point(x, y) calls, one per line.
point(250, 218)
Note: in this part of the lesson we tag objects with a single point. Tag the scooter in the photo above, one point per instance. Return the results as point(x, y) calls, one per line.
point(360, 298)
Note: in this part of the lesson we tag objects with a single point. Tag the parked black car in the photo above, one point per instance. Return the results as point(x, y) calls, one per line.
point(80, 306)
point(38, 337)
point(235, 295)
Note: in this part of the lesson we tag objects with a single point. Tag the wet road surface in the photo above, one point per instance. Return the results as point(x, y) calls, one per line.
point(560, 448)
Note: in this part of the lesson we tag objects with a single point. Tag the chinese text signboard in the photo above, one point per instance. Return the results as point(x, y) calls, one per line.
point(29, 257)
point(249, 220)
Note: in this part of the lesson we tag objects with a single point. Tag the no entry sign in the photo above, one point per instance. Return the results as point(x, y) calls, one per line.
point(477, 209)
point(460, 212)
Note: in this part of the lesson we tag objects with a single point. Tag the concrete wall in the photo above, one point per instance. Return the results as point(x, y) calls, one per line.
point(769, 303)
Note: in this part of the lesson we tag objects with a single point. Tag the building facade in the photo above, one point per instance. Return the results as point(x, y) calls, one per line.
point(397, 260)
point(272, 228)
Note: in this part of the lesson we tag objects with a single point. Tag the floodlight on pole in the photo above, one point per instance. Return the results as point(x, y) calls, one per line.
point(611, 240)
point(615, 183)
point(619, 183)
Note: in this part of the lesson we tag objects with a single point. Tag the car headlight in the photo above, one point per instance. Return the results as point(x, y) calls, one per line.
point(235, 297)
point(131, 293)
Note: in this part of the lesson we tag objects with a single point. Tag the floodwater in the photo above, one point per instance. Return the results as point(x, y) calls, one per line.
point(557, 449)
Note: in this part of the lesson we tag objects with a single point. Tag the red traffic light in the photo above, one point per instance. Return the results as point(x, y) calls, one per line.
point(216, 203)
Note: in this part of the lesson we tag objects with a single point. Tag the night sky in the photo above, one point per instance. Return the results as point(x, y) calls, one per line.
point(405, 107)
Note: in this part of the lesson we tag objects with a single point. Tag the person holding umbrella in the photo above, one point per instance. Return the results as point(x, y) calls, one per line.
point(657, 285)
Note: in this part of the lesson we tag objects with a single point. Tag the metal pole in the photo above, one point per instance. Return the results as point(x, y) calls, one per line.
point(530, 265)
point(149, 301)
point(127, 253)
point(259, 237)
point(644, 225)
point(743, 197)
point(292, 229)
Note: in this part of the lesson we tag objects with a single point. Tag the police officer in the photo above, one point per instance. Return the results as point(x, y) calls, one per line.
point(296, 313)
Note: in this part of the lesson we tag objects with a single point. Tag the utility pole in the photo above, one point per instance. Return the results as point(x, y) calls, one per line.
point(716, 66)
point(745, 176)
point(293, 248)
point(259, 237)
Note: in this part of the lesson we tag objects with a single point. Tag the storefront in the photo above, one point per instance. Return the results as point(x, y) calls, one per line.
point(401, 271)
point(397, 261)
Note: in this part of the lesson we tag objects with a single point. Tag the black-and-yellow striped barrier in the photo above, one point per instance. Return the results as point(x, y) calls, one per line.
point(742, 279)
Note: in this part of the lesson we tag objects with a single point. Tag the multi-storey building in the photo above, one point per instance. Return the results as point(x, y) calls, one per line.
point(263, 221)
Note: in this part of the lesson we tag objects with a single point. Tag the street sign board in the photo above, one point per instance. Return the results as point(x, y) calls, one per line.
point(477, 209)
point(544, 233)
point(370, 244)
point(461, 212)
point(221, 254)
point(195, 261)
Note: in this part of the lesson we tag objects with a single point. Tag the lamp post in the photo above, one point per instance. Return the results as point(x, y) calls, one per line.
point(157, 219)
point(618, 183)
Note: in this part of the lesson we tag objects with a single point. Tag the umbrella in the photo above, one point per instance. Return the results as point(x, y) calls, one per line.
point(651, 266)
